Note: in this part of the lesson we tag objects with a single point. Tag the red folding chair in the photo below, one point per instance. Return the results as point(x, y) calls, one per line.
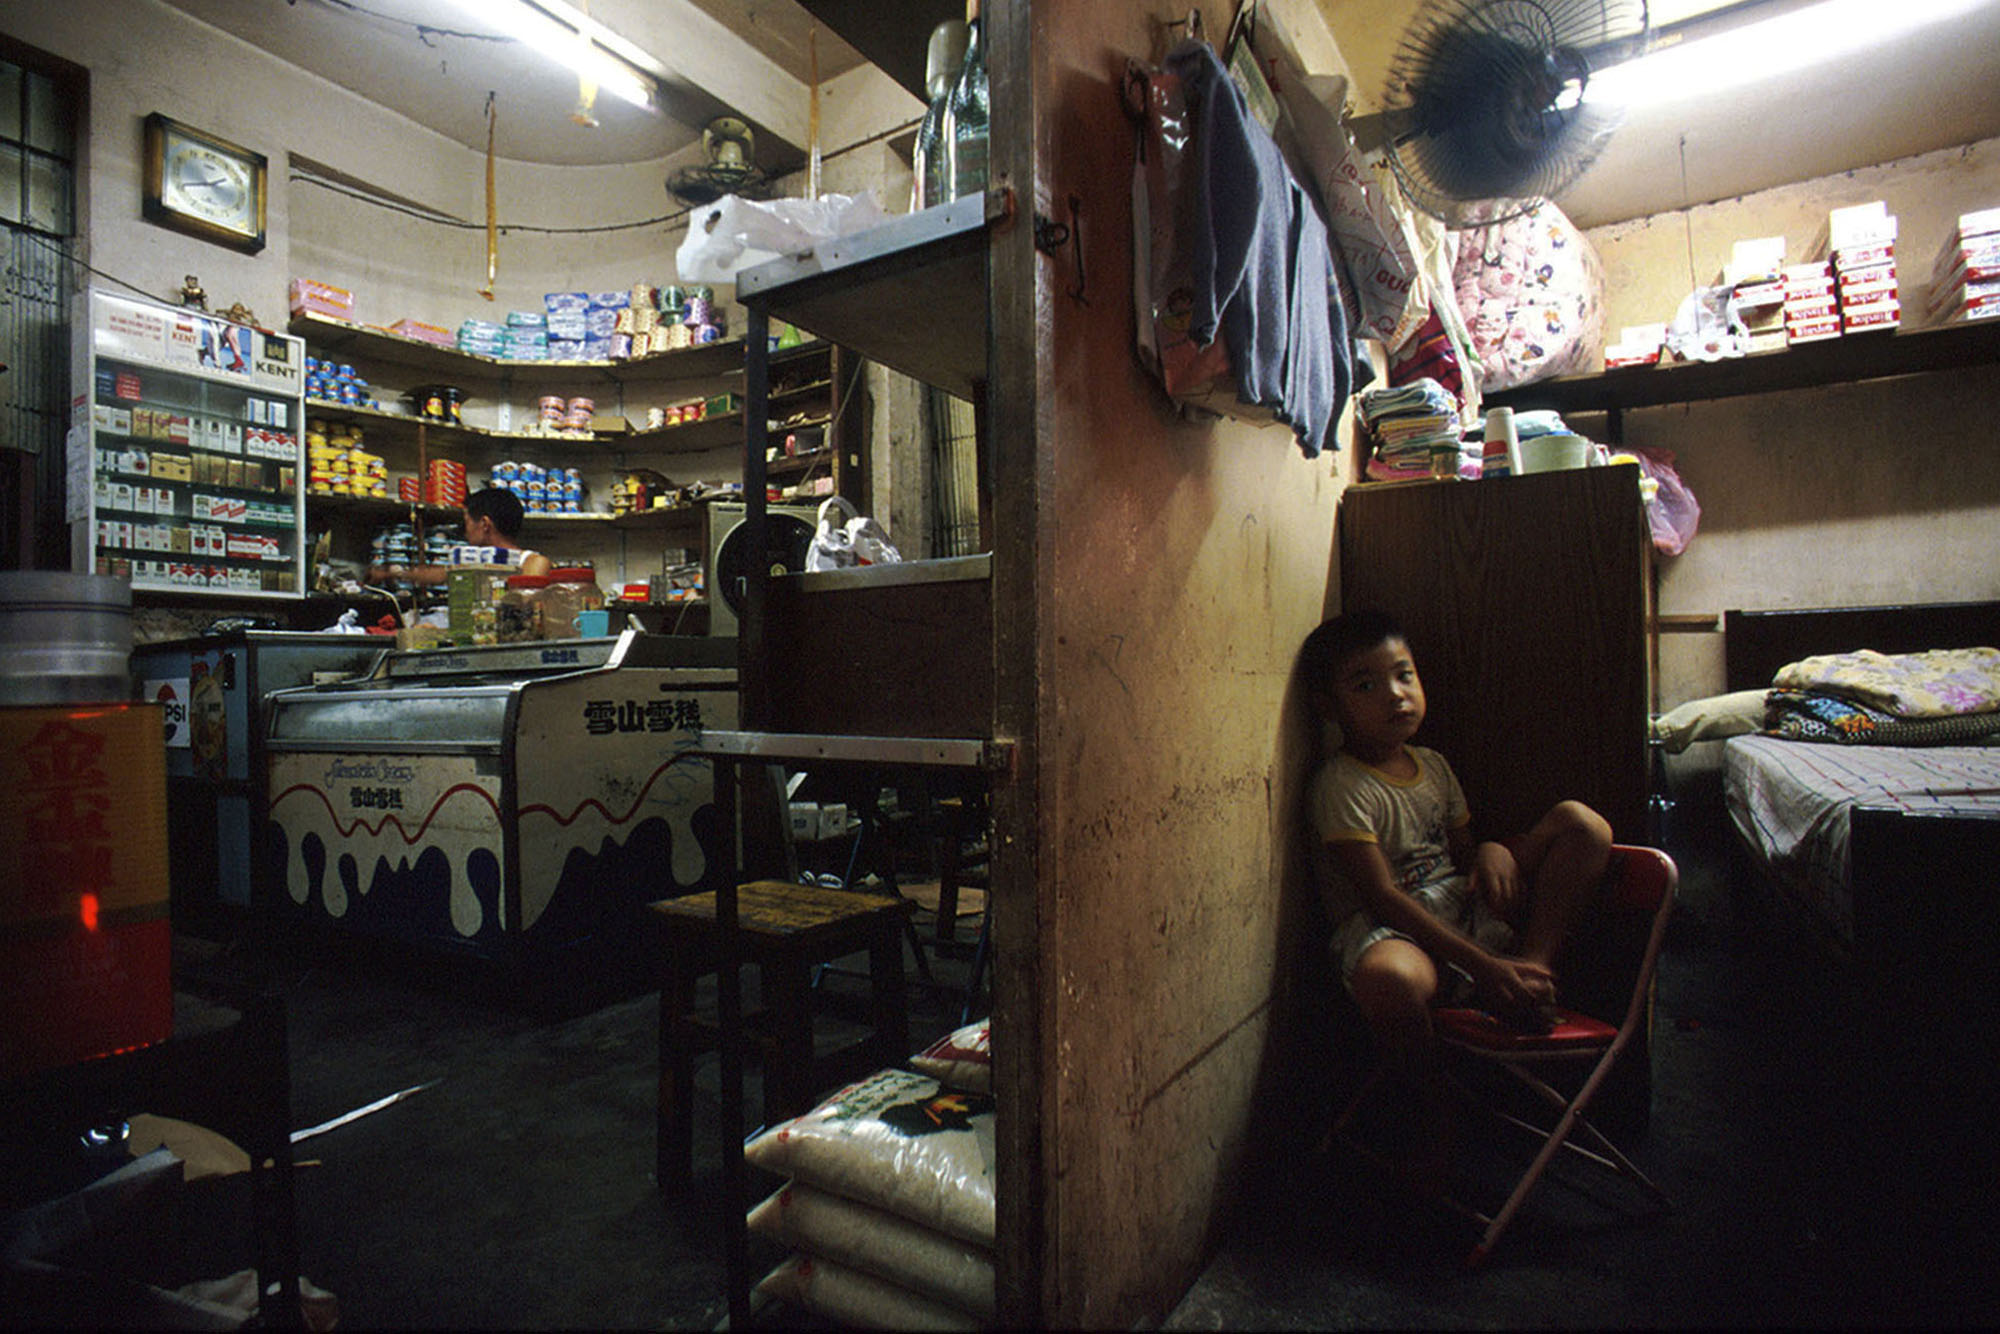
point(1639, 887)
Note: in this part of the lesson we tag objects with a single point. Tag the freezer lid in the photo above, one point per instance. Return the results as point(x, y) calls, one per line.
point(494, 662)
point(313, 717)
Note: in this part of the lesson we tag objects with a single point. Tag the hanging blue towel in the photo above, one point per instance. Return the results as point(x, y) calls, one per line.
point(1263, 271)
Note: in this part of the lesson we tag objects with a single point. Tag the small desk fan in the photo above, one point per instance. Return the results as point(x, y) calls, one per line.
point(1483, 114)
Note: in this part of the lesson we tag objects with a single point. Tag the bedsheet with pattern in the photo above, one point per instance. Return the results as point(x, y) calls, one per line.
point(1790, 802)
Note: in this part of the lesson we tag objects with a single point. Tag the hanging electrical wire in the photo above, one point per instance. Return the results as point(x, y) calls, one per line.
point(305, 176)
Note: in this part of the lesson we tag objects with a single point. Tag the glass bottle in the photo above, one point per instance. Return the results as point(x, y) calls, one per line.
point(930, 166)
point(969, 113)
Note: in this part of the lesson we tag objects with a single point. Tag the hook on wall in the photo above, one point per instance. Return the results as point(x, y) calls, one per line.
point(1051, 236)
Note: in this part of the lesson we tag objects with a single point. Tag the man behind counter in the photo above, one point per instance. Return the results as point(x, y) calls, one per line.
point(493, 518)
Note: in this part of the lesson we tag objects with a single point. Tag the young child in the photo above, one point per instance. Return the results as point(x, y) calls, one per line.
point(1421, 913)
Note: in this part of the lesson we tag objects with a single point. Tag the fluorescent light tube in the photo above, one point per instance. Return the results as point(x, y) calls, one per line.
point(540, 31)
point(1796, 40)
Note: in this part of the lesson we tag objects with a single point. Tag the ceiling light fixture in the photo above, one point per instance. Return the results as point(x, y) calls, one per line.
point(571, 39)
point(1798, 39)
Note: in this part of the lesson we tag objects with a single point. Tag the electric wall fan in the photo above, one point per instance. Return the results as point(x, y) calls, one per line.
point(1484, 115)
point(726, 143)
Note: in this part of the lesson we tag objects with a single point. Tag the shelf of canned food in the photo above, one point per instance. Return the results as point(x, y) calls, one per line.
point(326, 333)
point(712, 427)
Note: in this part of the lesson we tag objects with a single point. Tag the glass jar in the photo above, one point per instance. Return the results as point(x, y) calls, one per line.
point(517, 614)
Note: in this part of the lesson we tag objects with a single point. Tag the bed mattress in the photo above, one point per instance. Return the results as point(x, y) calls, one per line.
point(1790, 802)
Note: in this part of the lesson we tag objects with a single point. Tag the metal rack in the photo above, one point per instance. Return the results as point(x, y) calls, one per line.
point(912, 295)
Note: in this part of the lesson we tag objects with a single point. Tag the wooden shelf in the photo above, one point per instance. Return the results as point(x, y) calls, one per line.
point(325, 334)
point(688, 438)
point(812, 347)
point(786, 464)
point(1845, 360)
point(386, 506)
point(678, 516)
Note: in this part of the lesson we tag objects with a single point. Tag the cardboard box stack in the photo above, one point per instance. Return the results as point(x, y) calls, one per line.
point(1812, 310)
point(1755, 276)
point(1861, 244)
point(1965, 279)
point(444, 483)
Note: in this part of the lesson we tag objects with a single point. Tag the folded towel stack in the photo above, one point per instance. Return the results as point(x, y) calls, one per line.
point(1406, 423)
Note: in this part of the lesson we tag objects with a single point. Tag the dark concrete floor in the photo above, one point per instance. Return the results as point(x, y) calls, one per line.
point(517, 1189)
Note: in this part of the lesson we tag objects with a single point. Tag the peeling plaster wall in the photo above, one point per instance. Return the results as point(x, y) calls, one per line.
point(1186, 562)
point(1850, 495)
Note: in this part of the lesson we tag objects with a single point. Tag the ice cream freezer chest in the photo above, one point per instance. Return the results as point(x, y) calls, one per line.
point(514, 802)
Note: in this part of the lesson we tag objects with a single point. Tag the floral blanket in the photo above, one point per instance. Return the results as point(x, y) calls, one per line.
point(1799, 715)
point(1941, 683)
point(1939, 698)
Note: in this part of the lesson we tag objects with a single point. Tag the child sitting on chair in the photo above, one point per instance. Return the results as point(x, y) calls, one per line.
point(1421, 914)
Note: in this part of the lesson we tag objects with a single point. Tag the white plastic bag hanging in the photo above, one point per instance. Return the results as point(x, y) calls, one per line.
point(847, 537)
point(736, 233)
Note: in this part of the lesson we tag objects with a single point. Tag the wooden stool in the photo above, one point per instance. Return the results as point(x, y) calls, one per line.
point(786, 930)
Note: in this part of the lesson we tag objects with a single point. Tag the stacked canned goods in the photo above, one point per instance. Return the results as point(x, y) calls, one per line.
point(542, 490)
point(337, 465)
point(399, 544)
point(333, 382)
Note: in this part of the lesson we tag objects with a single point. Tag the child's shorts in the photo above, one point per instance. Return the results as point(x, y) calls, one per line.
point(1450, 900)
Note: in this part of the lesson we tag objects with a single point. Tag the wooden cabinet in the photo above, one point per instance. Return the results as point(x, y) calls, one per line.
point(1525, 601)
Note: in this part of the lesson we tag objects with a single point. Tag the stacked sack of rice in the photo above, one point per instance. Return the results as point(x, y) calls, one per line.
point(889, 1202)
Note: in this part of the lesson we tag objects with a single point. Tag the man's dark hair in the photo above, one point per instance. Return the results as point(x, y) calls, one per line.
point(500, 505)
point(1333, 642)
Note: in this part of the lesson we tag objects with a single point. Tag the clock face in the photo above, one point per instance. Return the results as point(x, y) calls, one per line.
point(199, 180)
point(204, 185)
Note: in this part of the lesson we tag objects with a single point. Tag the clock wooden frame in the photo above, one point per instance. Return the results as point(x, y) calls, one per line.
point(159, 128)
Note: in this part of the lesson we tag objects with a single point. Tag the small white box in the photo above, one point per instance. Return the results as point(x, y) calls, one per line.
point(832, 819)
point(805, 820)
point(1859, 225)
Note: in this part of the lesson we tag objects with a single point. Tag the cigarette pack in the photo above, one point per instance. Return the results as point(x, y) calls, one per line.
point(1861, 256)
point(1880, 315)
point(1813, 331)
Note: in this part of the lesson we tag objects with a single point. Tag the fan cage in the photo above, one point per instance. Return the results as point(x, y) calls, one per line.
point(1485, 101)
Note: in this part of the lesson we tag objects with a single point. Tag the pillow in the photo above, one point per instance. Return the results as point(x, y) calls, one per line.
point(963, 1060)
point(1710, 719)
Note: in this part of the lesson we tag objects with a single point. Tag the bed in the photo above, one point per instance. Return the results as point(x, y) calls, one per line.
point(1891, 850)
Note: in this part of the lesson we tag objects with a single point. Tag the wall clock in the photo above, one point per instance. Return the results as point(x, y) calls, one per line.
point(202, 185)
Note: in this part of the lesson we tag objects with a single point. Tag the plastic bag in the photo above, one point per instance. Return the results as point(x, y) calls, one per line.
point(735, 233)
point(1531, 293)
point(1707, 327)
point(851, 1297)
point(1674, 513)
point(1372, 237)
point(900, 1142)
point(847, 537)
point(961, 1059)
point(919, 1259)
point(1162, 246)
